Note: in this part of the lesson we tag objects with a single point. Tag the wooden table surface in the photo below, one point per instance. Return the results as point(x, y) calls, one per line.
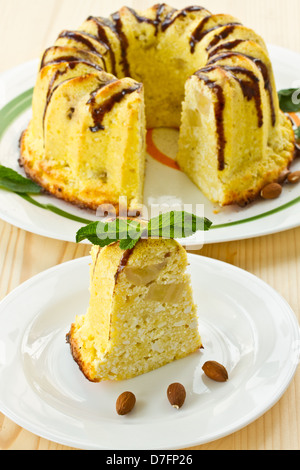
point(26, 28)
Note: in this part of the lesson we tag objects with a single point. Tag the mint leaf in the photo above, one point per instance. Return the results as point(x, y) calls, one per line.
point(177, 224)
point(297, 133)
point(104, 233)
point(88, 232)
point(13, 181)
point(289, 100)
point(129, 243)
point(174, 224)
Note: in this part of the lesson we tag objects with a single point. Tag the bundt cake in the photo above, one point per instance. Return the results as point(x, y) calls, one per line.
point(141, 314)
point(99, 87)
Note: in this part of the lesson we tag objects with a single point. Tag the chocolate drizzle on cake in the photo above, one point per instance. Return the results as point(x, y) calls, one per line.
point(174, 15)
point(82, 37)
point(250, 88)
point(98, 112)
point(102, 36)
point(227, 46)
point(264, 71)
point(154, 22)
point(268, 86)
point(251, 91)
point(219, 114)
point(123, 41)
point(159, 11)
point(51, 88)
point(200, 32)
point(72, 60)
point(222, 35)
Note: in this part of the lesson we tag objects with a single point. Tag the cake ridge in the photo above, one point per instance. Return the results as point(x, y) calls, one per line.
point(262, 67)
point(104, 39)
point(199, 34)
point(249, 91)
point(123, 41)
point(99, 113)
point(179, 13)
point(69, 66)
point(227, 45)
point(219, 110)
point(83, 37)
point(66, 52)
point(226, 31)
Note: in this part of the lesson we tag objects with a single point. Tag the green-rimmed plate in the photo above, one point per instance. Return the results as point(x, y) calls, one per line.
point(165, 187)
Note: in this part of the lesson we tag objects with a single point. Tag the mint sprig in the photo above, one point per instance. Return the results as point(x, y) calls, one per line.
point(13, 181)
point(104, 233)
point(289, 100)
point(174, 224)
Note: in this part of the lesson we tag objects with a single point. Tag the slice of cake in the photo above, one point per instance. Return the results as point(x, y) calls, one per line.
point(141, 314)
point(234, 140)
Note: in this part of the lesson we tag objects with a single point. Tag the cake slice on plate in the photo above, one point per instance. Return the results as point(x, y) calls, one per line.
point(141, 314)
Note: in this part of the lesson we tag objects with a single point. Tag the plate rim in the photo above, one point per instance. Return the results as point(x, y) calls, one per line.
point(232, 428)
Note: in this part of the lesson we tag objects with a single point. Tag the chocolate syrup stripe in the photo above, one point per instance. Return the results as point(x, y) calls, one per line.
point(68, 58)
point(199, 33)
point(225, 46)
point(98, 113)
point(83, 38)
point(51, 89)
point(155, 22)
point(219, 114)
point(123, 41)
point(57, 73)
point(223, 35)
point(102, 36)
point(250, 88)
point(263, 69)
point(171, 18)
point(75, 60)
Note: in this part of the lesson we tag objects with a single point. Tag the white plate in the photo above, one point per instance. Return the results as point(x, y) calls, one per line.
point(164, 185)
point(244, 325)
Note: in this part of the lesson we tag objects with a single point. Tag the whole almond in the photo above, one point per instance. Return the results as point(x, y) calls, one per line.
point(215, 371)
point(283, 176)
point(271, 191)
point(125, 403)
point(294, 178)
point(176, 395)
